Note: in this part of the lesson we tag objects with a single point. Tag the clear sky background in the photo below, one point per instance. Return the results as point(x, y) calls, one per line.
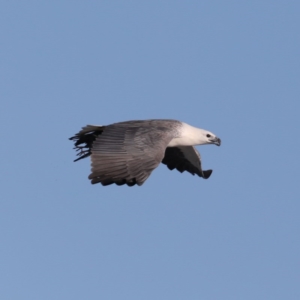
point(231, 67)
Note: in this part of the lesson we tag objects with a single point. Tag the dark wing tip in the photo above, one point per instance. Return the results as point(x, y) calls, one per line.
point(109, 181)
point(83, 140)
point(206, 174)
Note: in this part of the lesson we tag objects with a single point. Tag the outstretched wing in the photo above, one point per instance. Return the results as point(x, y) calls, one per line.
point(127, 153)
point(185, 158)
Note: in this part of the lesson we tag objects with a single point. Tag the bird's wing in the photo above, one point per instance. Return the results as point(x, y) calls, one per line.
point(127, 153)
point(84, 139)
point(185, 158)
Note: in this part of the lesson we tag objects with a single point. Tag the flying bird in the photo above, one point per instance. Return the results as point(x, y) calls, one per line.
point(127, 152)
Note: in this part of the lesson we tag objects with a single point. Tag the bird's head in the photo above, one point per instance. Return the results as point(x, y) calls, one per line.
point(210, 138)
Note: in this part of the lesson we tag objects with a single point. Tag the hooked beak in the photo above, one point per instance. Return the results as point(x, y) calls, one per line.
point(216, 141)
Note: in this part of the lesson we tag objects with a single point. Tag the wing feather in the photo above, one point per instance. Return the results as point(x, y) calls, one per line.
point(127, 154)
point(185, 158)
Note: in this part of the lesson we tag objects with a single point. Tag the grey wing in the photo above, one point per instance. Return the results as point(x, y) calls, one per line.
point(126, 154)
point(185, 158)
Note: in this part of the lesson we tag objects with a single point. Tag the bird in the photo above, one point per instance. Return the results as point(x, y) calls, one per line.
point(127, 152)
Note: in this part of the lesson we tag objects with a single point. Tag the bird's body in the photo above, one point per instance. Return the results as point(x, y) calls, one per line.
point(127, 152)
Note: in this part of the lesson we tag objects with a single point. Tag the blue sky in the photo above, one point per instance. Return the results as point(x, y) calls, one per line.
point(231, 67)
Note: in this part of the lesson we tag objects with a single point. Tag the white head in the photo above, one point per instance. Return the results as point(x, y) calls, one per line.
point(192, 136)
point(207, 137)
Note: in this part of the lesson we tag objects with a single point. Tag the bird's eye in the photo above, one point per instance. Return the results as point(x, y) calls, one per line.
point(208, 135)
